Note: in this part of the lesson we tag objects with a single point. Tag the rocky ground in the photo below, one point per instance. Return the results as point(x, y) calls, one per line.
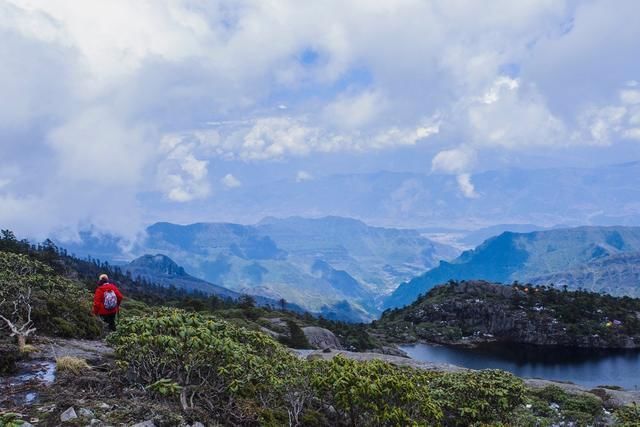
point(40, 395)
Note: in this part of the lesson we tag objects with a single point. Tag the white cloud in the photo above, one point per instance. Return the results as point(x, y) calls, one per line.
point(457, 161)
point(355, 111)
point(511, 116)
point(629, 96)
point(303, 176)
point(274, 138)
point(466, 186)
point(88, 87)
point(231, 181)
point(454, 161)
point(633, 133)
point(181, 175)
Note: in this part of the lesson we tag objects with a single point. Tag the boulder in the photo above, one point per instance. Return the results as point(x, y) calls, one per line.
point(321, 338)
point(68, 415)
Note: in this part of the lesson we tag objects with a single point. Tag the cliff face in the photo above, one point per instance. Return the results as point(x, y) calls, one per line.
point(472, 312)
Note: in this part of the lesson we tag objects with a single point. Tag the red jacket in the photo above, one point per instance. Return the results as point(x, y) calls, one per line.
point(98, 299)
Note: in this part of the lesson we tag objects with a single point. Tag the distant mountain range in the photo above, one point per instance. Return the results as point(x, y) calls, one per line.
point(594, 258)
point(338, 267)
point(162, 270)
point(604, 195)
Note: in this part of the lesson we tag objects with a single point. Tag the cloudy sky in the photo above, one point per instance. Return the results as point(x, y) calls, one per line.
point(111, 106)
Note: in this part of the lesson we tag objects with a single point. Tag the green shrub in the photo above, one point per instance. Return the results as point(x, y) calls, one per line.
point(233, 372)
point(474, 397)
point(583, 409)
point(60, 306)
point(372, 393)
point(628, 416)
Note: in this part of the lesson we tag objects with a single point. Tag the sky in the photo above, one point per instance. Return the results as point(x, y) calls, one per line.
point(112, 108)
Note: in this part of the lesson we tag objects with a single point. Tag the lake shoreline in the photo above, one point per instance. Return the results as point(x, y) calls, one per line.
point(590, 368)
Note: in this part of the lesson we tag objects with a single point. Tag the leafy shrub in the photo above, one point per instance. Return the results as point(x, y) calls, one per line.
point(233, 372)
point(583, 409)
point(473, 397)
point(628, 416)
point(372, 393)
point(60, 306)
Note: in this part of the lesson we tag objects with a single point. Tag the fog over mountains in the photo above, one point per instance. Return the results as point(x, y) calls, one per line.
point(605, 195)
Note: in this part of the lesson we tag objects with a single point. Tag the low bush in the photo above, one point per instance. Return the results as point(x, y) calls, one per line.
point(628, 416)
point(372, 393)
point(60, 307)
point(244, 377)
point(476, 397)
point(233, 372)
point(556, 405)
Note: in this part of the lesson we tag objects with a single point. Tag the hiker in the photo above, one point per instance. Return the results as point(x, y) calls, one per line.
point(106, 301)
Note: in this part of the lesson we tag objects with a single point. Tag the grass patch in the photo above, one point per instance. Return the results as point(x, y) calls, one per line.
point(28, 349)
point(72, 365)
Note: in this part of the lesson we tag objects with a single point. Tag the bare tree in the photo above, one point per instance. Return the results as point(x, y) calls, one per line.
point(19, 320)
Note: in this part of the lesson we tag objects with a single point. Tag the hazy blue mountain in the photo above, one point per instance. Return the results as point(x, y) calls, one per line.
point(164, 271)
point(540, 256)
point(320, 264)
point(617, 274)
point(605, 195)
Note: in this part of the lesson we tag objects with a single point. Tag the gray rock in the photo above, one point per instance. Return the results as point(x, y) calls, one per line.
point(68, 415)
point(147, 423)
point(391, 351)
point(197, 424)
point(321, 338)
point(26, 424)
point(84, 412)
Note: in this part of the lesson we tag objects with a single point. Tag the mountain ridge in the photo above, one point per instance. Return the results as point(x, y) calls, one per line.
point(525, 257)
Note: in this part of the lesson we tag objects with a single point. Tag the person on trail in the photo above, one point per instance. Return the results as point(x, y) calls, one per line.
point(106, 301)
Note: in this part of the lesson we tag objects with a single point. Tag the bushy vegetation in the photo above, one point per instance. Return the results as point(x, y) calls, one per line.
point(628, 416)
point(245, 377)
point(56, 305)
point(552, 405)
point(233, 372)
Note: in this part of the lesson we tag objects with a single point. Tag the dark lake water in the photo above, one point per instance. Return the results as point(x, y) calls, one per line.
point(587, 367)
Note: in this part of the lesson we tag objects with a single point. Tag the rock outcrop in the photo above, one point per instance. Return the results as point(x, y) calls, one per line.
point(321, 338)
point(472, 312)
